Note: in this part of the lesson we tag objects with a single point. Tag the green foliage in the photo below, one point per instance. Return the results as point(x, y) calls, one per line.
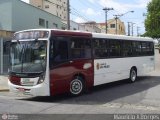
point(152, 22)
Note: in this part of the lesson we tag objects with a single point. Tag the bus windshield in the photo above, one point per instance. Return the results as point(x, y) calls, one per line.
point(28, 56)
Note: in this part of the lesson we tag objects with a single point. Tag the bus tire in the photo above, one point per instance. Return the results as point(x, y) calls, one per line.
point(133, 75)
point(77, 86)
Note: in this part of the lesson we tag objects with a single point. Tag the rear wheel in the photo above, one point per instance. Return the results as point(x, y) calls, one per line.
point(133, 75)
point(77, 86)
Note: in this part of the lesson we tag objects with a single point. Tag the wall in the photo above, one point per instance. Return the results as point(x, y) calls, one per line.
point(5, 15)
point(5, 37)
point(26, 16)
point(18, 15)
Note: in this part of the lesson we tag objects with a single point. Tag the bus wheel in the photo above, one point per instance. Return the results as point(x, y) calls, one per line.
point(133, 75)
point(76, 86)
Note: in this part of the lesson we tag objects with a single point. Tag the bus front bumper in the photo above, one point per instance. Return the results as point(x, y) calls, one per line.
point(38, 90)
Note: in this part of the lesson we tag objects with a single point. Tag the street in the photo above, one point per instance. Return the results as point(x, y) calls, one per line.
point(121, 97)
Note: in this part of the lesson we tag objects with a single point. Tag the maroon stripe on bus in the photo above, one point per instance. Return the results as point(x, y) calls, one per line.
point(70, 33)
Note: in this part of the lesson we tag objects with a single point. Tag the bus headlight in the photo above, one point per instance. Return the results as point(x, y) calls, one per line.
point(41, 79)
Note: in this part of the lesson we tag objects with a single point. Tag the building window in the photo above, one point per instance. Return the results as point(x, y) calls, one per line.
point(112, 26)
point(41, 22)
point(46, 6)
point(46, 24)
point(55, 25)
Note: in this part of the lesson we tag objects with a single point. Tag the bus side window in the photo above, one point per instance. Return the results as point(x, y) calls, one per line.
point(115, 48)
point(58, 51)
point(127, 49)
point(136, 48)
point(51, 55)
point(100, 48)
point(80, 48)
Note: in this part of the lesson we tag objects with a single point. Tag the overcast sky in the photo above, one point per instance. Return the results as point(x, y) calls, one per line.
point(91, 10)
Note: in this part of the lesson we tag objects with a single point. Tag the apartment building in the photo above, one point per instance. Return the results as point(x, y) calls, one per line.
point(55, 7)
point(111, 24)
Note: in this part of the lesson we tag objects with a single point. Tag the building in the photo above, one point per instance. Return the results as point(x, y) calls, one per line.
point(55, 7)
point(111, 24)
point(90, 27)
point(17, 15)
point(5, 36)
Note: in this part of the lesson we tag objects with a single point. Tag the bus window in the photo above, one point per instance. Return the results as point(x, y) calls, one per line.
point(151, 48)
point(58, 51)
point(80, 48)
point(136, 48)
point(127, 48)
point(100, 48)
point(115, 48)
point(147, 48)
point(144, 48)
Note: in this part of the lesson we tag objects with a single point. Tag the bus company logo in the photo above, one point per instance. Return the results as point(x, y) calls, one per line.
point(102, 66)
point(4, 117)
point(98, 66)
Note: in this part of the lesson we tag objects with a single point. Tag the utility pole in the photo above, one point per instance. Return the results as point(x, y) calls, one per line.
point(138, 31)
point(132, 28)
point(106, 13)
point(129, 29)
point(68, 14)
point(118, 16)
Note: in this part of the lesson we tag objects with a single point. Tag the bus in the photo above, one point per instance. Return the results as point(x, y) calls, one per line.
point(46, 62)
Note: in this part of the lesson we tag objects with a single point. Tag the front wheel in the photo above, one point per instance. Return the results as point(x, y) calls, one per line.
point(76, 86)
point(133, 75)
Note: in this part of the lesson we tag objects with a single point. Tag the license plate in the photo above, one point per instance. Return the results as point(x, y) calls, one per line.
point(21, 89)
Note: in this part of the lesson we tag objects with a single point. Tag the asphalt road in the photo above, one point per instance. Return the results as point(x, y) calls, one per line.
point(141, 97)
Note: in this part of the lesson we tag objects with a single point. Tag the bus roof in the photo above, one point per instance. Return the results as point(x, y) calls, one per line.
point(120, 37)
point(89, 34)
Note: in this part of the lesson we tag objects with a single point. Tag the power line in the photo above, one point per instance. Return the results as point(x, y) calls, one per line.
point(76, 13)
point(90, 5)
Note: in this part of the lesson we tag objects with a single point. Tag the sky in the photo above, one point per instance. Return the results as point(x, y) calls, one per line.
point(91, 10)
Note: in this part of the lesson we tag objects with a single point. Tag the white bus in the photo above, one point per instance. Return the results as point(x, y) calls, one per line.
point(46, 62)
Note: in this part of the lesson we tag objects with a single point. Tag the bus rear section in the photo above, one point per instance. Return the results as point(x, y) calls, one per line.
point(121, 57)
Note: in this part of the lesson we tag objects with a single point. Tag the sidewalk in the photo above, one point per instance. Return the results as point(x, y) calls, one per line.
point(3, 83)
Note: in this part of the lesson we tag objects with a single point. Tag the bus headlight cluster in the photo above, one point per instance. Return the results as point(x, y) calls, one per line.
point(41, 79)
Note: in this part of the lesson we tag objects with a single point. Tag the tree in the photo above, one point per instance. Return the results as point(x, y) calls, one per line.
point(152, 22)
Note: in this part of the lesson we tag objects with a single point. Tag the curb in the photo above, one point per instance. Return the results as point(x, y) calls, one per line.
point(4, 90)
